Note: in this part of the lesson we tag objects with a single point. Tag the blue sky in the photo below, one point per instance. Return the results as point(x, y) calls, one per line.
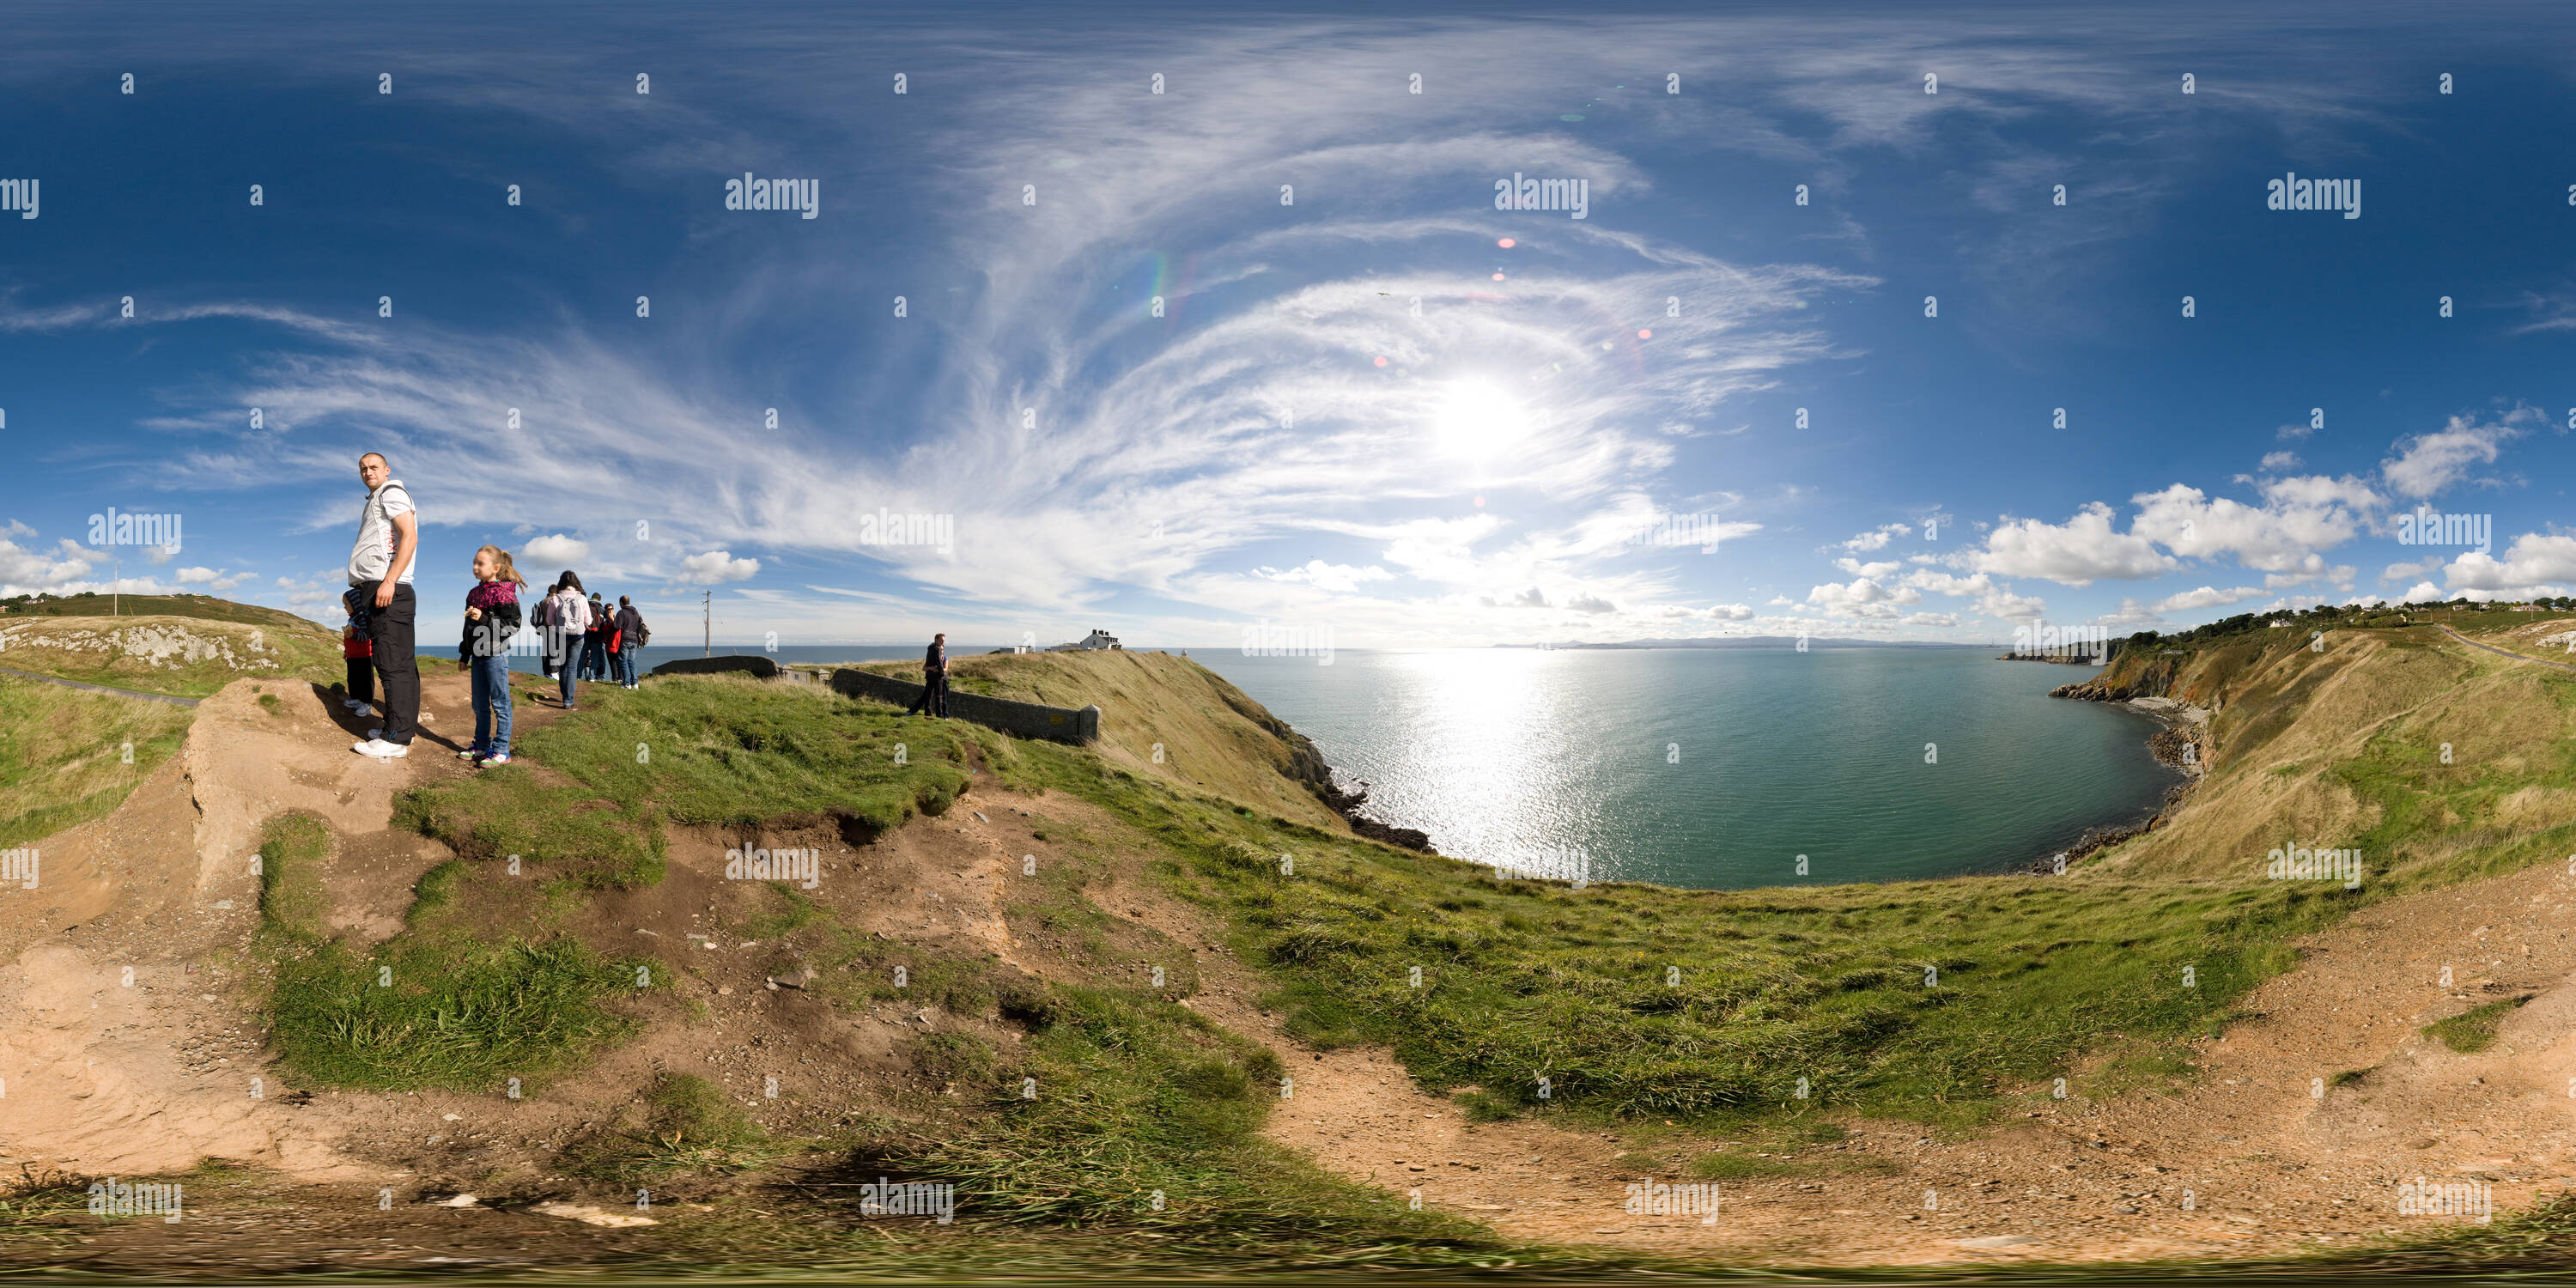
point(1541, 431)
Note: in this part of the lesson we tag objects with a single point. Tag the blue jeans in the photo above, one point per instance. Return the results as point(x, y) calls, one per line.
point(626, 661)
point(492, 704)
point(594, 656)
point(565, 677)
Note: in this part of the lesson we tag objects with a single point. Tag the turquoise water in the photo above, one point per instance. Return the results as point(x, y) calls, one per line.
point(1716, 768)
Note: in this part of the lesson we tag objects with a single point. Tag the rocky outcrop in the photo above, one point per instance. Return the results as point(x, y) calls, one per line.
point(1305, 766)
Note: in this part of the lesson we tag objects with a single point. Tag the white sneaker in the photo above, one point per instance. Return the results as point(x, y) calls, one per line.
point(380, 749)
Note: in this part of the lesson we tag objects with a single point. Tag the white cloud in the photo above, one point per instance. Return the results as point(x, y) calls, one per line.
point(2275, 462)
point(24, 571)
point(2430, 463)
point(213, 580)
point(1875, 571)
point(1878, 538)
point(553, 550)
point(2129, 615)
point(1591, 604)
point(2298, 517)
point(2076, 553)
point(2206, 597)
point(1992, 600)
point(1339, 578)
point(714, 568)
point(1863, 597)
point(2533, 561)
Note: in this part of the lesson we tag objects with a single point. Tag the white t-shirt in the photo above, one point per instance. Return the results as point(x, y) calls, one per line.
point(374, 552)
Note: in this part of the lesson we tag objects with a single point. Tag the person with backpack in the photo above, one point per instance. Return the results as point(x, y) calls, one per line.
point(491, 619)
point(594, 642)
point(567, 624)
point(632, 636)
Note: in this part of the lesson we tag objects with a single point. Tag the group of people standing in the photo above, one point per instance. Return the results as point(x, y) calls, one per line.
point(580, 637)
point(585, 639)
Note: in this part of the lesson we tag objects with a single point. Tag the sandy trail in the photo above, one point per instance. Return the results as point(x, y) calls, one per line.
point(129, 1034)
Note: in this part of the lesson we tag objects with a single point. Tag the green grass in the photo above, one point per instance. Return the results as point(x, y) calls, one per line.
point(585, 799)
point(1530, 980)
point(188, 656)
point(690, 1127)
point(438, 1005)
point(67, 757)
point(2473, 1030)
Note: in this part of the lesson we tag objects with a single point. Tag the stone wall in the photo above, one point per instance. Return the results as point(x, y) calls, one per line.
point(755, 666)
point(1026, 719)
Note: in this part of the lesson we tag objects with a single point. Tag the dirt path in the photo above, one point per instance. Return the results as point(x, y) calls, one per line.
point(129, 1031)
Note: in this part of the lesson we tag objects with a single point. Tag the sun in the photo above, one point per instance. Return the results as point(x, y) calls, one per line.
point(1477, 419)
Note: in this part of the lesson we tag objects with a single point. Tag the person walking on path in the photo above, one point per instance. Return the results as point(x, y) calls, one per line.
point(380, 567)
point(934, 680)
point(360, 653)
point(567, 624)
point(630, 639)
point(491, 619)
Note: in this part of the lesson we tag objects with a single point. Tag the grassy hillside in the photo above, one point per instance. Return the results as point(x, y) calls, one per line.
point(2438, 761)
point(187, 657)
point(92, 604)
point(1160, 714)
point(64, 754)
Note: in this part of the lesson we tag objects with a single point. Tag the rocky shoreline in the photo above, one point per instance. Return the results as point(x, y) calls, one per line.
point(2181, 744)
point(1306, 766)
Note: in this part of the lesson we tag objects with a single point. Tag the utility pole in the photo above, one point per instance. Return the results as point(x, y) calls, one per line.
point(709, 644)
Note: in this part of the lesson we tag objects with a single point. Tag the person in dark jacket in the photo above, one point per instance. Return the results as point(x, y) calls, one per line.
point(594, 642)
point(934, 680)
point(630, 639)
